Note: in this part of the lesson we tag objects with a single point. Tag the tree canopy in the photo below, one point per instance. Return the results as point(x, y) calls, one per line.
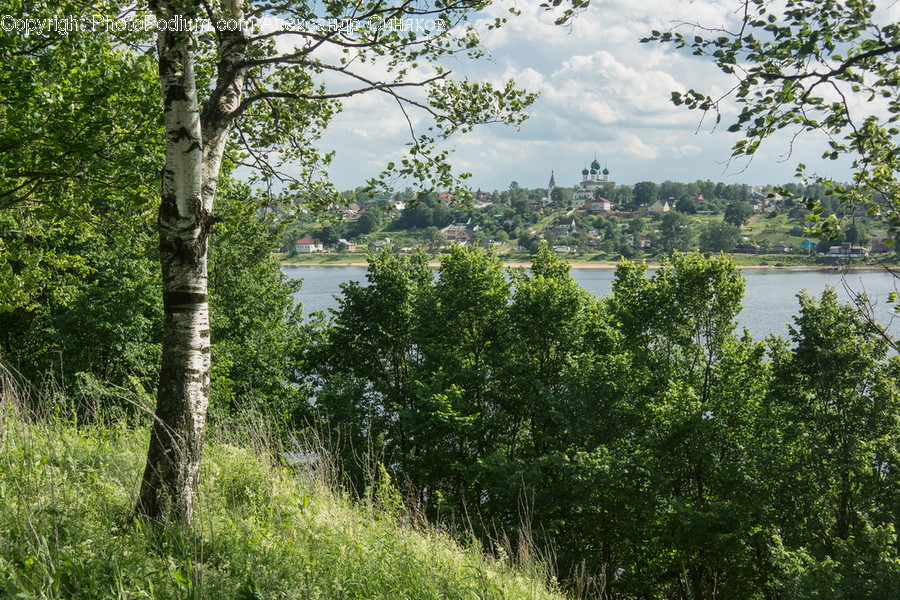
point(78, 146)
point(827, 66)
point(659, 452)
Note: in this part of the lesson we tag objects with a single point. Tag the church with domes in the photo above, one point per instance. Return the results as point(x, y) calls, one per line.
point(594, 183)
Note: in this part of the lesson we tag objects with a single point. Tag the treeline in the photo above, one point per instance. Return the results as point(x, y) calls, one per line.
point(648, 447)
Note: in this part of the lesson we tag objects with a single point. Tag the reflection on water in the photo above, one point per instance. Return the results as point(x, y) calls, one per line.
point(770, 299)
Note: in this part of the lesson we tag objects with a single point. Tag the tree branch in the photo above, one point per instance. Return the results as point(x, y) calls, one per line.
point(372, 86)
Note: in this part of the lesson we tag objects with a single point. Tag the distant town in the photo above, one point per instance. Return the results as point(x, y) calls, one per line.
point(594, 219)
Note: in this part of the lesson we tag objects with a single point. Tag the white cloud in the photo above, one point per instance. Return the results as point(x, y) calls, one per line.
point(686, 150)
point(637, 148)
point(602, 92)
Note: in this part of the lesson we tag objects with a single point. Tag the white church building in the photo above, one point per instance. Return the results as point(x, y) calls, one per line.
point(589, 195)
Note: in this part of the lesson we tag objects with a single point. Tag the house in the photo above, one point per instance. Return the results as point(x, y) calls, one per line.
point(747, 248)
point(351, 211)
point(880, 243)
point(765, 200)
point(459, 233)
point(598, 204)
point(307, 245)
point(782, 248)
point(566, 226)
point(379, 245)
point(343, 244)
point(660, 207)
point(642, 241)
point(847, 250)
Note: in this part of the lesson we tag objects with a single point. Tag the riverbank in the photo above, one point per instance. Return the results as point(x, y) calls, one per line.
point(744, 261)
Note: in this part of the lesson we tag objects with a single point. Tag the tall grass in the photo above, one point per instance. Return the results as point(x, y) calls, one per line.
point(264, 529)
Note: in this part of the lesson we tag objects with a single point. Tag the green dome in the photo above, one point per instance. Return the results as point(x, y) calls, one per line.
point(606, 171)
point(595, 165)
point(584, 172)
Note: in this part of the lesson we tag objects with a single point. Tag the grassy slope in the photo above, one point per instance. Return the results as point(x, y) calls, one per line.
point(66, 532)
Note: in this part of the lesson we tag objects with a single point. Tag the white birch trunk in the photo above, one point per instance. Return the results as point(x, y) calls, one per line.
point(194, 148)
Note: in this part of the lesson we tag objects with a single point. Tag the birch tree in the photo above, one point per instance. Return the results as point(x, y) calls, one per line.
point(242, 82)
point(275, 87)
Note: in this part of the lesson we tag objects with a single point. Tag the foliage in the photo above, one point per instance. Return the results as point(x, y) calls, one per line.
point(676, 232)
point(738, 213)
point(639, 434)
point(645, 193)
point(677, 328)
point(366, 358)
point(811, 66)
point(101, 342)
point(59, 170)
point(104, 335)
point(368, 222)
point(231, 83)
point(719, 236)
point(686, 204)
point(623, 196)
point(255, 321)
point(834, 407)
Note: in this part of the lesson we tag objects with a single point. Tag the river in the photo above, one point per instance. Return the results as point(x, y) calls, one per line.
point(770, 299)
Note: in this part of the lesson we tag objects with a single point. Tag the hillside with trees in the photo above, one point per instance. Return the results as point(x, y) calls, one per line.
point(638, 444)
point(768, 225)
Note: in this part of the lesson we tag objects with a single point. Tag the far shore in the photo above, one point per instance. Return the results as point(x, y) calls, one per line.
point(651, 264)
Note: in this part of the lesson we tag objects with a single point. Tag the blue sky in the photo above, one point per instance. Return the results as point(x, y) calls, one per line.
point(603, 94)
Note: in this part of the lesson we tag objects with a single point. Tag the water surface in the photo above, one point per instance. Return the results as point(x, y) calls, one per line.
point(770, 299)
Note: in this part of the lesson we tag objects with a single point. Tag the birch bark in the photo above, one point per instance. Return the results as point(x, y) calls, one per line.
point(195, 144)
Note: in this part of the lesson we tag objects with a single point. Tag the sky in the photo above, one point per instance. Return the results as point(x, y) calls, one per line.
point(603, 95)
